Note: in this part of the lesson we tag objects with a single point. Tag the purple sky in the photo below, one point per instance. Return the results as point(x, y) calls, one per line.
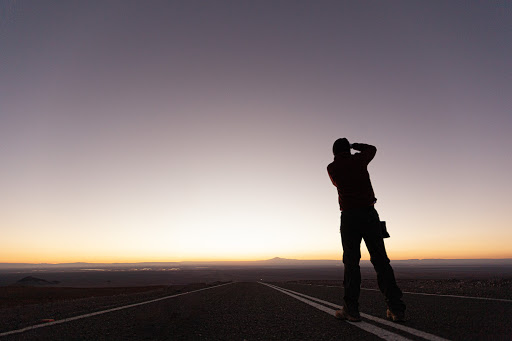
point(165, 130)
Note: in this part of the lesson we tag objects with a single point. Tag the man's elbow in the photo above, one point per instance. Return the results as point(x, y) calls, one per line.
point(369, 152)
point(373, 151)
point(369, 149)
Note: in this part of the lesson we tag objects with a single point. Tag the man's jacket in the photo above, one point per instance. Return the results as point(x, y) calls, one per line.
point(349, 173)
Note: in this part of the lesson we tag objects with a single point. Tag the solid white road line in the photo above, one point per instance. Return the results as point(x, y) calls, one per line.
point(21, 330)
point(426, 294)
point(455, 296)
point(382, 333)
point(409, 330)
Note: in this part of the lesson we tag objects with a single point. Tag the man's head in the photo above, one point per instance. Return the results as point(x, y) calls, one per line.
point(341, 146)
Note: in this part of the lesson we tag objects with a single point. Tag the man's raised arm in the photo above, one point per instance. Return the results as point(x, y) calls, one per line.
point(367, 151)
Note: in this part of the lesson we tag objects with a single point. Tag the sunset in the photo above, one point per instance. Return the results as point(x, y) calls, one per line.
point(255, 170)
point(176, 131)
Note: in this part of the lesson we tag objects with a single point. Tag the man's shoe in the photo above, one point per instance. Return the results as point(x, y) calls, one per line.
point(344, 315)
point(395, 316)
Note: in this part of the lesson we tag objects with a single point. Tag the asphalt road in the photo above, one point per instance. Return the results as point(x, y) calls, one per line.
point(258, 311)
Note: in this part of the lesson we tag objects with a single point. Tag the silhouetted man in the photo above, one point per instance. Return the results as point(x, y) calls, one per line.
point(360, 220)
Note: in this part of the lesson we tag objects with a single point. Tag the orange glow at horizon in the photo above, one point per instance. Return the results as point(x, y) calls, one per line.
point(398, 254)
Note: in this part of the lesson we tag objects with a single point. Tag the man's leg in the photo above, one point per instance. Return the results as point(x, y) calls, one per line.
point(385, 274)
point(351, 240)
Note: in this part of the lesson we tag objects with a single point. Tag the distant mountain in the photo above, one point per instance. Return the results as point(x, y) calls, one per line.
point(30, 281)
point(278, 259)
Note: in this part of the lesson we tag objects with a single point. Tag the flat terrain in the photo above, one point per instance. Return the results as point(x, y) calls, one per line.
point(467, 306)
point(185, 275)
point(254, 311)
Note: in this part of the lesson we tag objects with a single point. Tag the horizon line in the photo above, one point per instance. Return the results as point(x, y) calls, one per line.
point(251, 261)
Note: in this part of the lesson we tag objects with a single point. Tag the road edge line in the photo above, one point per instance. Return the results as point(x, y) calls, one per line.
point(424, 293)
point(69, 319)
point(454, 296)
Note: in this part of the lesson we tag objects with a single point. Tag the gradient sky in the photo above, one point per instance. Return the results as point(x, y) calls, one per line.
point(201, 130)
